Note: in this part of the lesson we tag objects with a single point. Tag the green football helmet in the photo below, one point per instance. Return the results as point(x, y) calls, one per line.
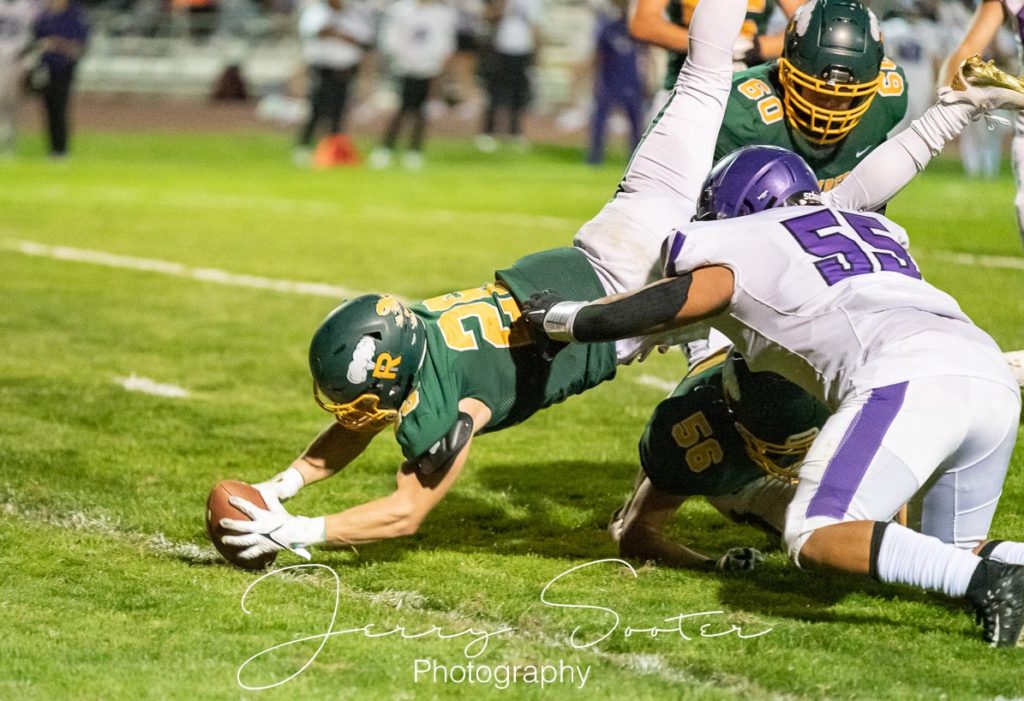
point(830, 68)
point(364, 359)
point(777, 420)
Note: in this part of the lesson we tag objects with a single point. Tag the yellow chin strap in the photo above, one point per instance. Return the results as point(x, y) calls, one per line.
point(361, 414)
point(765, 454)
point(820, 125)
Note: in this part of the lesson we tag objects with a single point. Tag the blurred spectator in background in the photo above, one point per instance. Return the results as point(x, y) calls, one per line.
point(664, 23)
point(61, 31)
point(418, 39)
point(617, 81)
point(16, 20)
point(916, 41)
point(513, 43)
point(199, 16)
point(335, 35)
point(460, 87)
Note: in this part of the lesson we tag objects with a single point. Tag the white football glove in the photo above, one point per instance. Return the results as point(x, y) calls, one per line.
point(272, 530)
point(736, 559)
point(281, 487)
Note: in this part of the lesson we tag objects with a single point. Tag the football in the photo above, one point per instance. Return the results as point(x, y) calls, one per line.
point(217, 507)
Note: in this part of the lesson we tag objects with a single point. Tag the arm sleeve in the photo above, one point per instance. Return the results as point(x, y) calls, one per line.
point(633, 314)
point(677, 151)
point(888, 169)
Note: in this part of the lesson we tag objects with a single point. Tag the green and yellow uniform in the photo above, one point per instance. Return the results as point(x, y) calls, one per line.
point(692, 445)
point(755, 115)
point(478, 348)
point(680, 11)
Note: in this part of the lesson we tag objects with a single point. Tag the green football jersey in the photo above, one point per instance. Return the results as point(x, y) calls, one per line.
point(755, 115)
point(680, 11)
point(479, 347)
point(691, 446)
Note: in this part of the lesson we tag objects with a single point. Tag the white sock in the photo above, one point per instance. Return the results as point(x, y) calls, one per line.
point(714, 27)
point(1008, 552)
point(907, 557)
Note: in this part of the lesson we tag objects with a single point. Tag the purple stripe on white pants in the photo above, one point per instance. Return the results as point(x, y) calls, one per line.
point(856, 451)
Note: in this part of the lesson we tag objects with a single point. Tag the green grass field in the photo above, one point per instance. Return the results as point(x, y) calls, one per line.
point(108, 587)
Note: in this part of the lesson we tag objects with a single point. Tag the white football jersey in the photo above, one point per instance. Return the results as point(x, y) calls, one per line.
point(832, 300)
point(354, 18)
point(16, 19)
point(419, 37)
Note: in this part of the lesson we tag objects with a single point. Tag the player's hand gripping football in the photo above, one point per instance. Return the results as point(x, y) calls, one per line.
point(535, 310)
point(271, 530)
point(736, 559)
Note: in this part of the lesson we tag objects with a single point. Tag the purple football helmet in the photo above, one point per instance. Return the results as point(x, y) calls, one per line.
point(752, 179)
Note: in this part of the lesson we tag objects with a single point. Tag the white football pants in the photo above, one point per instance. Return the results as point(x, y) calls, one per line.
point(949, 438)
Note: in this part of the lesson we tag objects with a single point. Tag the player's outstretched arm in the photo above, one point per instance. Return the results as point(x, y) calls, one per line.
point(396, 515)
point(641, 536)
point(664, 305)
point(770, 46)
point(980, 88)
point(648, 24)
point(330, 452)
point(987, 20)
point(401, 513)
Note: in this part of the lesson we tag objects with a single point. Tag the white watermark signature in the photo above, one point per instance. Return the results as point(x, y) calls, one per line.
point(475, 641)
point(502, 675)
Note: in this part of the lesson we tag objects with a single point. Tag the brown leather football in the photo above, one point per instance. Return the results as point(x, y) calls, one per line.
point(217, 507)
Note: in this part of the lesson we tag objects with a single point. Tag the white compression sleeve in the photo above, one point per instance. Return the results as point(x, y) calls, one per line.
point(888, 169)
point(678, 149)
point(714, 27)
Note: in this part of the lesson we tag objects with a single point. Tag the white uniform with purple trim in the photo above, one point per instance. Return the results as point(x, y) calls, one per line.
point(922, 398)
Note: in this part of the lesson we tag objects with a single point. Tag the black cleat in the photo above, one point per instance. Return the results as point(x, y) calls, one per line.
point(997, 593)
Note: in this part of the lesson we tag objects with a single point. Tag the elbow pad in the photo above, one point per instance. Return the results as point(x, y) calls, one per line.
point(443, 453)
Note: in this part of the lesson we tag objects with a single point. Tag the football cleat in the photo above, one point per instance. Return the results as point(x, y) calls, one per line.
point(997, 592)
point(984, 85)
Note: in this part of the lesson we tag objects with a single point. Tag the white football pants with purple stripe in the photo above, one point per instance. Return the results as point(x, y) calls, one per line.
point(949, 438)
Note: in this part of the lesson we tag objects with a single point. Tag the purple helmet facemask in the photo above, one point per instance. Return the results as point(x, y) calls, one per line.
point(752, 179)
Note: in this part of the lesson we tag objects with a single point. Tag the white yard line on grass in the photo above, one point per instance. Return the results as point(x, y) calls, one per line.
point(164, 267)
point(285, 205)
point(977, 260)
point(134, 383)
point(159, 544)
point(109, 527)
point(656, 382)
